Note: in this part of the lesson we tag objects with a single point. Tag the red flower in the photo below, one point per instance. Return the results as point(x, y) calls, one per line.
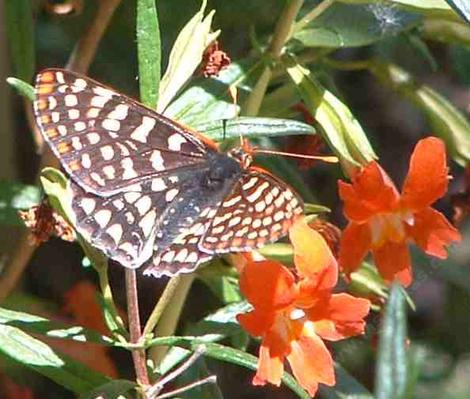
point(383, 221)
point(292, 315)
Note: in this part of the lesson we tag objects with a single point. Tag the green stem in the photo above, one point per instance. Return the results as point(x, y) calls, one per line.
point(162, 303)
point(138, 354)
point(315, 13)
point(282, 32)
point(171, 314)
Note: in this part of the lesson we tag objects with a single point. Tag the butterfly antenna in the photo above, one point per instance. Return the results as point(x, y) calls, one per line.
point(324, 158)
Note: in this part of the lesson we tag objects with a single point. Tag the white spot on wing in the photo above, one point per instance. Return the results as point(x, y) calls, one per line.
point(88, 205)
point(71, 100)
point(147, 223)
point(107, 152)
point(158, 184)
point(171, 194)
point(103, 217)
point(120, 112)
point(142, 131)
point(115, 231)
point(157, 160)
point(111, 124)
point(175, 141)
point(143, 204)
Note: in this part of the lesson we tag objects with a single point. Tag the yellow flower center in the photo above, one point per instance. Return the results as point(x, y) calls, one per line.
point(389, 227)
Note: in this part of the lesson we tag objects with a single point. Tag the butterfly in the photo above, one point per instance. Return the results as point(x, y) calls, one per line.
point(150, 192)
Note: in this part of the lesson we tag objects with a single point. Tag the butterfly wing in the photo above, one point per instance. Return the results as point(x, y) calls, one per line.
point(259, 210)
point(106, 141)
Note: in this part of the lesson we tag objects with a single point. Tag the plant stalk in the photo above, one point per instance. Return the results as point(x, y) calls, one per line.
point(138, 354)
point(282, 32)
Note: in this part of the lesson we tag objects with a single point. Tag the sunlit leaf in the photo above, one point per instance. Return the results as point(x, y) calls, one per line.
point(462, 7)
point(148, 51)
point(341, 129)
point(186, 55)
point(391, 369)
point(451, 32)
point(220, 129)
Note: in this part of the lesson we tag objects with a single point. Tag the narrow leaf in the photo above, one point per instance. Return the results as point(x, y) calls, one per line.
point(148, 51)
point(43, 326)
point(340, 128)
point(14, 197)
point(111, 390)
point(186, 55)
point(38, 356)
point(391, 369)
point(20, 32)
point(23, 88)
point(220, 129)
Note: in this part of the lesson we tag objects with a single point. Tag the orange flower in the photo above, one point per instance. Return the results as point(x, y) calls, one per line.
point(383, 221)
point(292, 315)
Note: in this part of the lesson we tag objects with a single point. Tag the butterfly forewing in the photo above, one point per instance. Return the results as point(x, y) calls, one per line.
point(147, 191)
point(106, 141)
point(260, 209)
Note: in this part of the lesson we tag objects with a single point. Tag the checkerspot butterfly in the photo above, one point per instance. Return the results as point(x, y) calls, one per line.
point(150, 192)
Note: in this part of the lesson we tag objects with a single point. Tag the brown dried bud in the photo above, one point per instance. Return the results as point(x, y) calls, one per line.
point(214, 60)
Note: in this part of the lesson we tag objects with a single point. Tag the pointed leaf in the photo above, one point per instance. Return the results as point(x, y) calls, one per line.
point(462, 7)
point(340, 128)
point(148, 51)
point(220, 129)
point(23, 88)
point(38, 356)
point(392, 368)
point(186, 55)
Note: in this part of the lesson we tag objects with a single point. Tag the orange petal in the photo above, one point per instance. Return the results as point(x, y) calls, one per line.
point(270, 368)
point(343, 317)
point(427, 178)
point(354, 245)
point(393, 262)
point(311, 252)
point(256, 323)
point(311, 363)
point(432, 232)
point(267, 285)
point(372, 191)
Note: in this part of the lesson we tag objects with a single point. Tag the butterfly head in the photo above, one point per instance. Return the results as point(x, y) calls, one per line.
point(243, 154)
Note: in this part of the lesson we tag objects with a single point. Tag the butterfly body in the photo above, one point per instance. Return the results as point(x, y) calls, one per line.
point(148, 191)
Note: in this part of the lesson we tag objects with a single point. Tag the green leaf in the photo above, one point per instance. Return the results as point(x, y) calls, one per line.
point(148, 52)
point(462, 7)
point(445, 120)
point(346, 387)
point(220, 129)
point(38, 356)
point(186, 55)
point(14, 197)
point(352, 25)
point(391, 369)
point(20, 31)
point(43, 326)
point(222, 281)
point(340, 128)
point(367, 281)
point(207, 99)
point(110, 390)
point(235, 356)
point(283, 253)
point(23, 88)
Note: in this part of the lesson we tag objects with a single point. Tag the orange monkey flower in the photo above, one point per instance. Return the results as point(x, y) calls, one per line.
point(383, 221)
point(293, 314)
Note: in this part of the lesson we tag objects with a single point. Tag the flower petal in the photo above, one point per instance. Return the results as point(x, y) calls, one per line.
point(268, 285)
point(341, 318)
point(432, 232)
point(371, 192)
point(270, 368)
point(256, 323)
point(311, 252)
point(355, 243)
point(311, 363)
point(393, 262)
point(427, 178)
